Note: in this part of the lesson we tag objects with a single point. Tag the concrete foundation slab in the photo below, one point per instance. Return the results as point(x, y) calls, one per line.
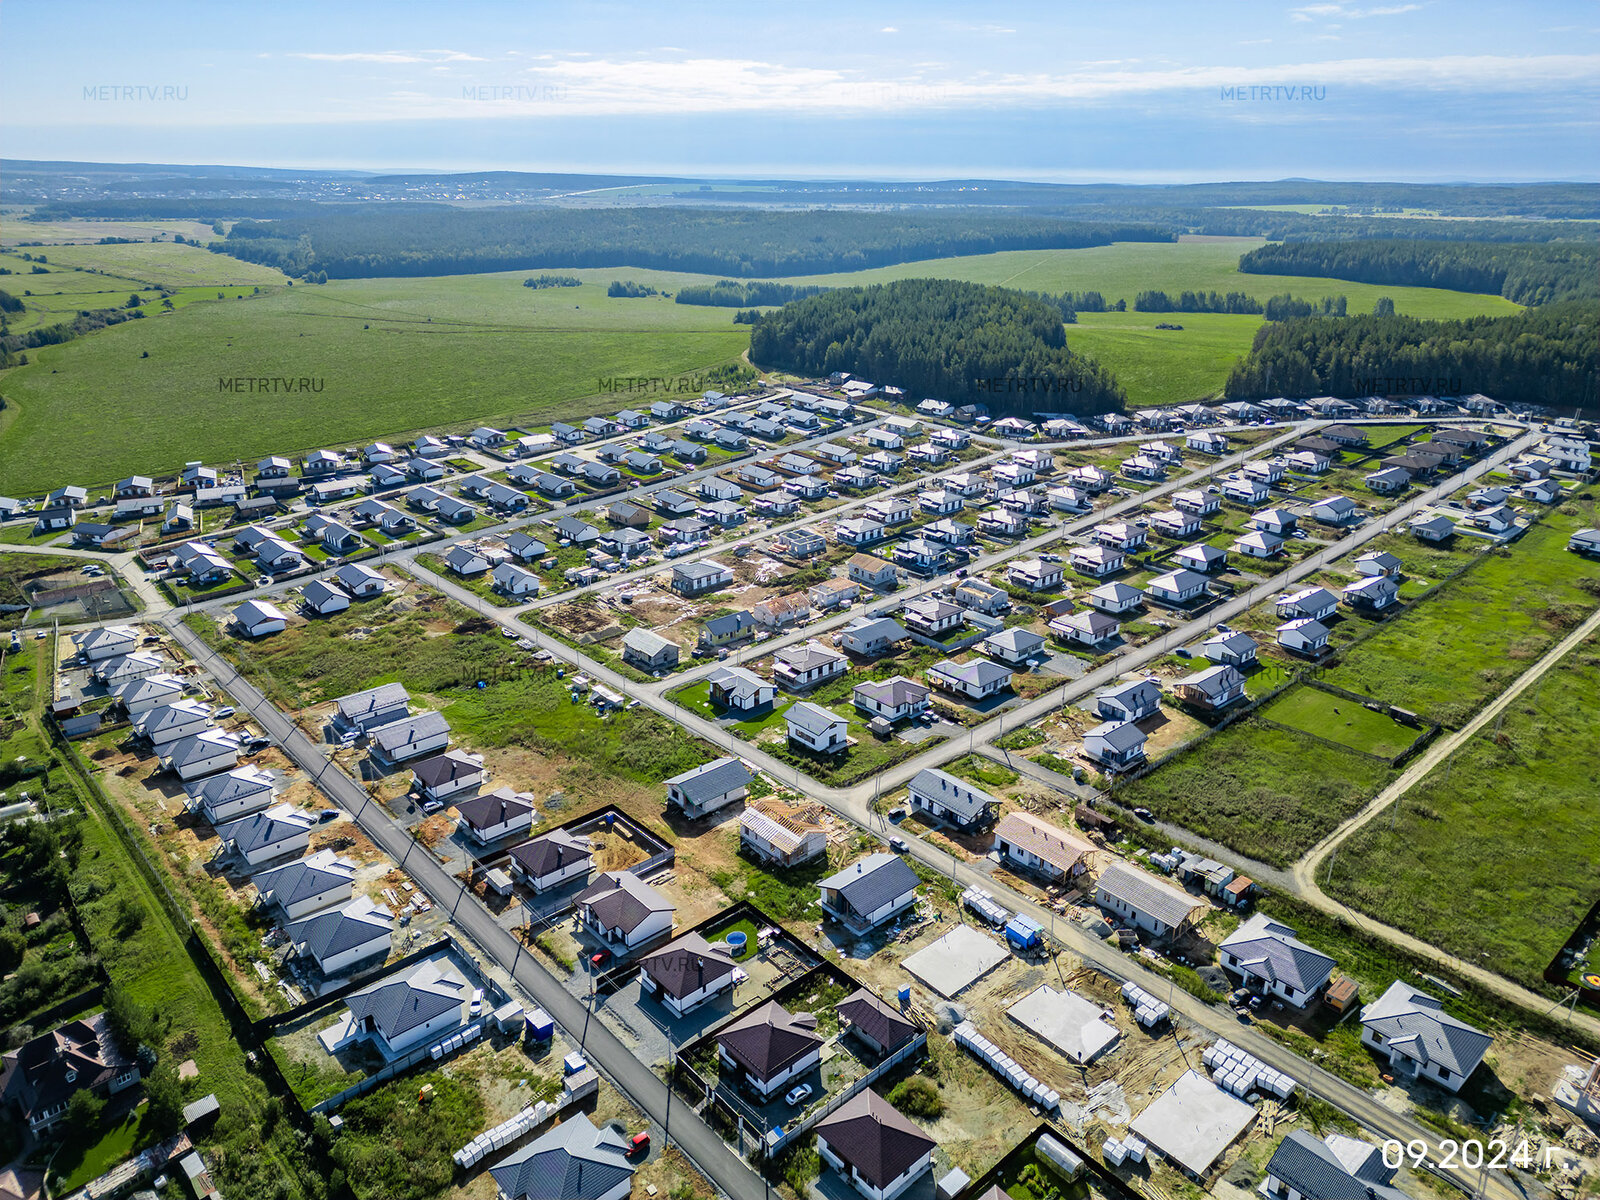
point(956, 961)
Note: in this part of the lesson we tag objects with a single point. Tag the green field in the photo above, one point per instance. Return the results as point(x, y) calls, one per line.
point(392, 356)
point(1464, 645)
point(13, 230)
point(1347, 722)
point(397, 356)
point(1268, 793)
point(1494, 857)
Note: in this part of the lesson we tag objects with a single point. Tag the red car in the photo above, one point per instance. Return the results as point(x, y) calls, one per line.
point(600, 958)
point(639, 1145)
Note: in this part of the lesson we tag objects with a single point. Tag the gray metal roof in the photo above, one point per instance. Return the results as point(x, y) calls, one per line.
point(1272, 951)
point(399, 1003)
point(715, 778)
point(1310, 1167)
point(305, 877)
point(1147, 894)
point(812, 718)
point(277, 824)
point(408, 731)
point(1415, 1024)
point(949, 792)
point(872, 882)
point(339, 930)
point(574, 1161)
point(359, 706)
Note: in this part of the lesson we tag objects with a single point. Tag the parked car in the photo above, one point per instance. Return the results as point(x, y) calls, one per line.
point(227, 710)
point(1144, 814)
point(476, 1006)
point(898, 845)
point(599, 958)
point(328, 814)
point(429, 807)
point(797, 1095)
point(639, 1145)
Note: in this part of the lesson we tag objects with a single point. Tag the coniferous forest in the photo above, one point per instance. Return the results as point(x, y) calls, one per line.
point(962, 342)
point(1544, 356)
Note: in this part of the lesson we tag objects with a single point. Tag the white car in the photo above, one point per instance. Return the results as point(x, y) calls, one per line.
point(798, 1095)
point(227, 710)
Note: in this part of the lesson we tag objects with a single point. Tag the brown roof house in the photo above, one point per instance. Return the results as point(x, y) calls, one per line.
point(41, 1075)
point(768, 1047)
point(687, 972)
point(620, 908)
point(879, 1151)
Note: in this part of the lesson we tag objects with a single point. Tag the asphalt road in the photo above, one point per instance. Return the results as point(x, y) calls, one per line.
point(705, 1149)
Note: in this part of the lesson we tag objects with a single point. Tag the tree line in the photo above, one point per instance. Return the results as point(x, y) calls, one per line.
point(1544, 356)
point(1526, 274)
point(962, 342)
point(416, 239)
point(552, 281)
point(1196, 302)
point(630, 289)
point(744, 293)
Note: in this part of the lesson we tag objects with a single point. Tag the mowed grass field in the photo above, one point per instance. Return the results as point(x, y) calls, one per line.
point(1464, 645)
point(1347, 722)
point(397, 356)
point(1495, 856)
point(392, 356)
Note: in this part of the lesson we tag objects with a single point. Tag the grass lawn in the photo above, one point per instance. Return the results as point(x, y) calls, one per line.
point(1448, 655)
point(80, 1164)
point(745, 926)
point(1494, 856)
point(1347, 722)
point(534, 709)
point(1268, 793)
point(785, 894)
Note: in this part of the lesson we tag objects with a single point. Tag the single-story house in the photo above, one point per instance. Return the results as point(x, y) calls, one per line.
point(269, 834)
point(943, 797)
point(338, 938)
point(708, 787)
point(687, 972)
point(869, 892)
point(495, 815)
point(1212, 689)
point(879, 1151)
point(975, 680)
point(621, 908)
point(1411, 1029)
point(768, 1047)
point(1115, 745)
point(1131, 700)
point(1267, 954)
point(1139, 899)
point(1025, 841)
point(551, 859)
point(448, 774)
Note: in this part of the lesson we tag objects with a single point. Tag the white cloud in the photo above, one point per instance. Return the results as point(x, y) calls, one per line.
point(888, 29)
point(389, 57)
point(1307, 12)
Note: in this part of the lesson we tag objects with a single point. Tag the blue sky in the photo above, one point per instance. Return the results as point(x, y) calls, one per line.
point(1119, 92)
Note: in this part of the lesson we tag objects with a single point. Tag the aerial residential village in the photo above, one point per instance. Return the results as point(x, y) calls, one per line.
point(890, 924)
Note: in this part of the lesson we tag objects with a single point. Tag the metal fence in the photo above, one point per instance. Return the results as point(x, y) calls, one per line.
point(800, 1128)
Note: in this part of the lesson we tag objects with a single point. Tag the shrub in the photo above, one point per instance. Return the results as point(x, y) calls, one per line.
point(917, 1097)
